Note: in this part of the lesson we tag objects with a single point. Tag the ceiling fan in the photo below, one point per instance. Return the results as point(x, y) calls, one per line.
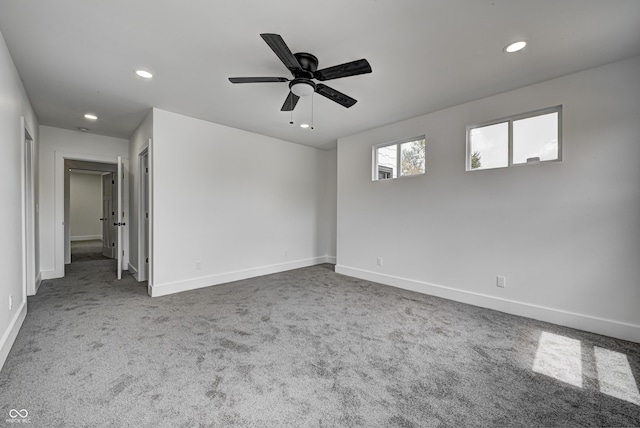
point(304, 68)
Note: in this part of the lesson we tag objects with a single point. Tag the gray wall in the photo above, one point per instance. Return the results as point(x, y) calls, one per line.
point(13, 107)
point(565, 234)
point(85, 206)
point(240, 204)
point(56, 145)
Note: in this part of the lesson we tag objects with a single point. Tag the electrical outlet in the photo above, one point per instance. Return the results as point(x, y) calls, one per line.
point(501, 281)
point(198, 265)
point(379, 261)
point(10, 301)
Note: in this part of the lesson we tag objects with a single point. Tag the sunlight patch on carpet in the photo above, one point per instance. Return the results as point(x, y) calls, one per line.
point(559, 357)
point(615, 376)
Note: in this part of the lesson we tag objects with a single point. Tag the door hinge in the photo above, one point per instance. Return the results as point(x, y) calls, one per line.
point(113, 244)
point(147, 214)
point(113, 182)
point(146, 170)
point(147, 260)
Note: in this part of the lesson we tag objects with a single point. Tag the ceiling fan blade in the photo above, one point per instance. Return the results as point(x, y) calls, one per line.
point(334, 95)
point(257, 79)
point(290, 102)
point(352, 68)
point(280, 48)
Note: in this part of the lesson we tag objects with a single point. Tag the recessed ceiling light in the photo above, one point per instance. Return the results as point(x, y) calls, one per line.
point(90, 116)
point(144, 74)
point(304, 125)
point(83, 129)
point(515, 47)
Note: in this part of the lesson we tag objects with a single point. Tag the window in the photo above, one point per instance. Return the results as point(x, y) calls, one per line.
point(400, 159)
point(526, 138)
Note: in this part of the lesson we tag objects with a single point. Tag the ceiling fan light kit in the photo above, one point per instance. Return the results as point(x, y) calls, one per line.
point(302, 87)
point(304, 68)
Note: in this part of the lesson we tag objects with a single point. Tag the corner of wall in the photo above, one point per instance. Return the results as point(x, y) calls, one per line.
point(157, 290)
point(138, 142)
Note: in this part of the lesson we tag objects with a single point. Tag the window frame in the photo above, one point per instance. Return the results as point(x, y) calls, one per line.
point(398, 144)
point(509, 120)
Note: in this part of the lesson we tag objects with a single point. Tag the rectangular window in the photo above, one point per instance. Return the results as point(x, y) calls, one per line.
point(489, 146)
point(536, 138)
point(399, 159)
point(526, 138)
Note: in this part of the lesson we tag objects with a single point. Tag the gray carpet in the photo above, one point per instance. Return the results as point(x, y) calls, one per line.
point(83, 251)
point(304, 348)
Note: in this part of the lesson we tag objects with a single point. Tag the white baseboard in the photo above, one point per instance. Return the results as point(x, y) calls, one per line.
point(10, 335)
point(133, 271)
point(38, 281)
point(330, 259)
point(85, 237)
point(593, 324)
point(156, 290)
point(50, 274)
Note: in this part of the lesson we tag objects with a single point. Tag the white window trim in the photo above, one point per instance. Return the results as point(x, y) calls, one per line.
point(509, 120)
point(399, 143)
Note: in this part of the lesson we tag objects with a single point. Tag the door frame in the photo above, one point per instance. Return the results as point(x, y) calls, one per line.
point(59, 192)
point(120, 219)
point(32, 278)
point(144, 192)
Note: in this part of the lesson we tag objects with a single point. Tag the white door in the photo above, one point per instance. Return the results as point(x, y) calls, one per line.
point(119, 216)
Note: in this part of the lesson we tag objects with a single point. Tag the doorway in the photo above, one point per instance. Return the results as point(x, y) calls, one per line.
point(82, 202)
point(90, 212)
point(107, 219)
point(65, 164)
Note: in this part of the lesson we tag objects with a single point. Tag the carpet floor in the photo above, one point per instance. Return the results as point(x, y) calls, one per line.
point(303, 348)
point(83, 251)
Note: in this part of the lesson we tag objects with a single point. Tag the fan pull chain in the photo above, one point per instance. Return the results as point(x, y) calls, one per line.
point(312, 110)
point(291, 121)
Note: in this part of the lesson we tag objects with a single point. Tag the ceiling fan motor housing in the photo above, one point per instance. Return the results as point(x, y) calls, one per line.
point(308, 63)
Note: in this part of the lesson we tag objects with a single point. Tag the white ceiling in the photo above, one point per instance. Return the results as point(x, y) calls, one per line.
point(78, 56)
